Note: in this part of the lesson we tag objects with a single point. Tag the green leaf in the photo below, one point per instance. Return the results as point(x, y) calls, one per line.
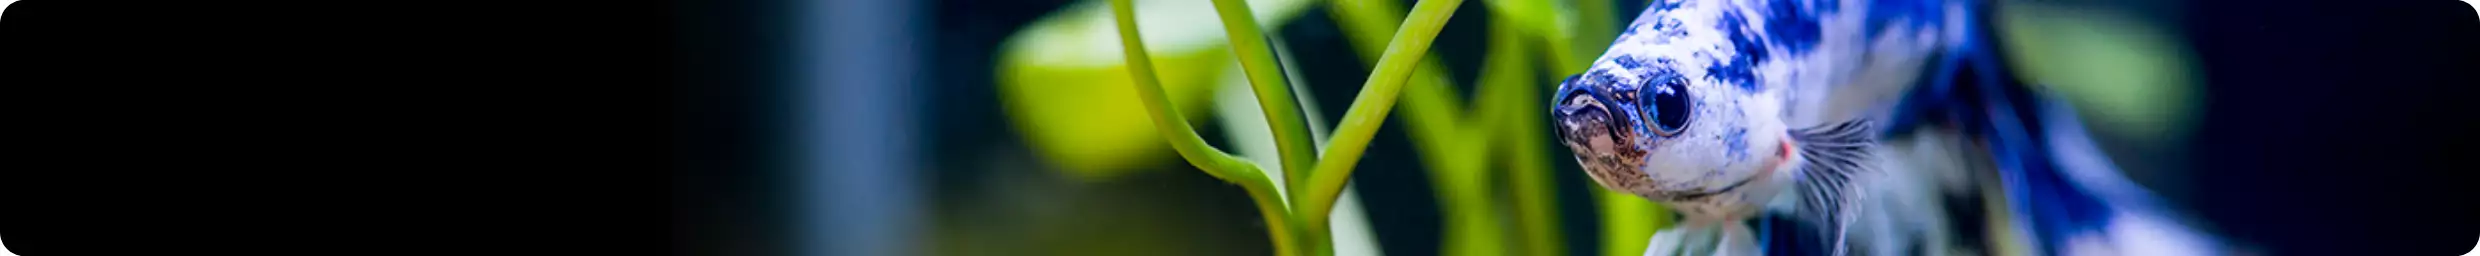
point(1065, 85)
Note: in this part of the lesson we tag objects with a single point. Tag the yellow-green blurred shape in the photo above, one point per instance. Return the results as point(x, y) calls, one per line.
point(2131, 77)
point(1627, 222)
point(1064, 83)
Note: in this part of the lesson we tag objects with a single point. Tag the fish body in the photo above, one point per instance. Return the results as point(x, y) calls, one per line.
point(1715, 108)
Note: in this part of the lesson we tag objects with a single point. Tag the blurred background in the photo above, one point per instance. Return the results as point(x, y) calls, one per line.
point(1008, 127)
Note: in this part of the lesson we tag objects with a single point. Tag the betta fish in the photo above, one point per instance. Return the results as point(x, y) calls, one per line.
point(1715, 108)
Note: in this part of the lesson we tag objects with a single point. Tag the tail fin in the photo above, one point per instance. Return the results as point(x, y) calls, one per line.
point(2060, 186)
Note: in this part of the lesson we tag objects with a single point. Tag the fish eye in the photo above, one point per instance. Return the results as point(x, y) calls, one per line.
point(1665, 106)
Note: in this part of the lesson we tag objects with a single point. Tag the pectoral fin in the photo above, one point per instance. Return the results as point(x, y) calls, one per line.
point(1834, 154)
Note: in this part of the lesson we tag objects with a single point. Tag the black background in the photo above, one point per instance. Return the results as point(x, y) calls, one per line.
point(2336, 126)
point(326, 127)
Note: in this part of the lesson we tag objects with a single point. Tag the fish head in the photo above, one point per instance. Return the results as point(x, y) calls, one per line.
point(1667, 127)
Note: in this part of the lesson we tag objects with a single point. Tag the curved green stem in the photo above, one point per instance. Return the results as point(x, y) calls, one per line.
point(1430, 105)
point(1515, 112)
point(1274, 93)
point(1193, 147)
point(1279, 224)
point(1440, 129)
point(1369, 109)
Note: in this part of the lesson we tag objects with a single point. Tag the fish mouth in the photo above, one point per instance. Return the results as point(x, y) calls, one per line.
point(1592, 129)
point(1588, 129)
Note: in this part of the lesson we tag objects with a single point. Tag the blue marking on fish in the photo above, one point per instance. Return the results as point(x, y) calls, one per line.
point(1629, 62)
point(1737, 141)
point(1751, 50)
point(1793, 24)
point(1885, 14)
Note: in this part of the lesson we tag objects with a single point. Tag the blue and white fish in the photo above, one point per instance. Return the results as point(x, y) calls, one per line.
point(1713, 107)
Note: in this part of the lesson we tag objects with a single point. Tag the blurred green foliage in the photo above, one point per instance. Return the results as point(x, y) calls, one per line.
point(1059, 82)
point(1067, 85)
point(2128, 72)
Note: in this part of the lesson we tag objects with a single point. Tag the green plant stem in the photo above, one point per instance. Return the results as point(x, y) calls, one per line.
point(1460, 173)
point(1510, 85)
point(1368, 111)
point(1474, 225)
point(1594, 30)
point(1563, 63)
point(1434, 115)
point(1274, 93)
point(1430, 105)
point(1536, 195)
point(1279, 222)
point(1627, 222)
point(1439, 128)
point(1531, 15)
point(1193, 147)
